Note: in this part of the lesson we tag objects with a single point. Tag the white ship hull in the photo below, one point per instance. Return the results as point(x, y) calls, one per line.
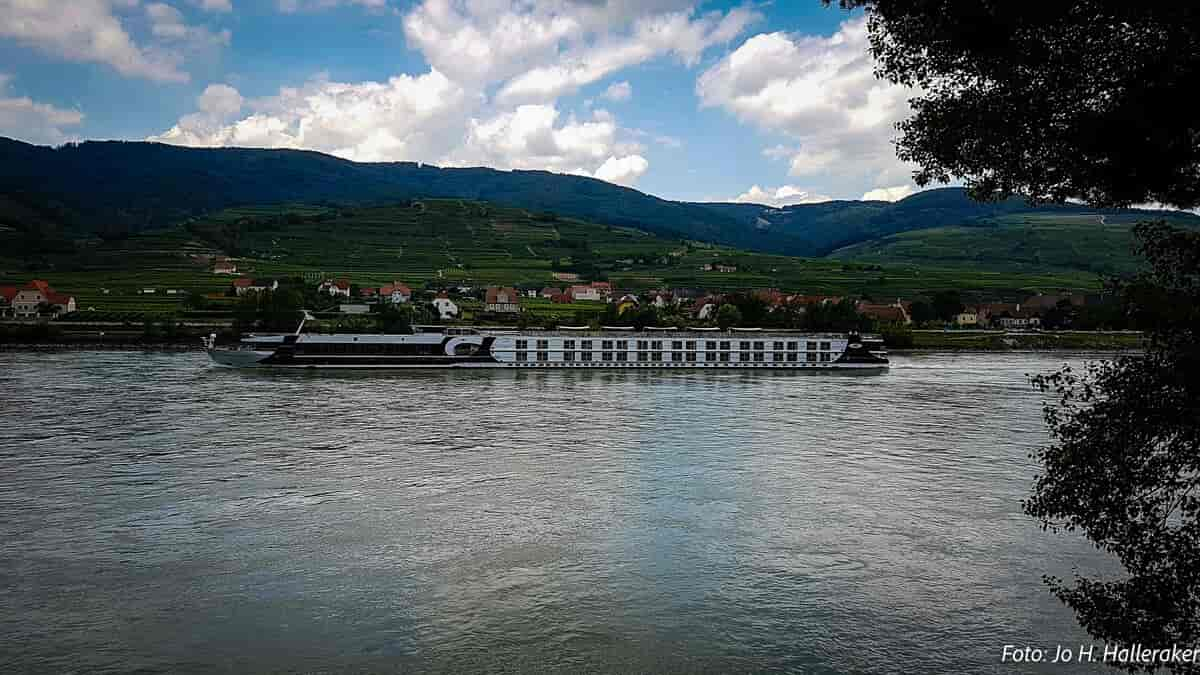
point(536, 350)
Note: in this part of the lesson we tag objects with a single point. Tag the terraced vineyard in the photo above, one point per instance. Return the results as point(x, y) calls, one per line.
point(434, 243)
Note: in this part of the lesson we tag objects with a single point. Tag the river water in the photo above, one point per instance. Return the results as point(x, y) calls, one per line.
point(162, 515)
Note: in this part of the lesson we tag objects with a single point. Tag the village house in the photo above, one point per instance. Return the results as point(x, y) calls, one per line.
point(725, 268)
point(335, 288)
point(244, 285)
point(565, 276)
point(395, 293)
point(604, 288)
point(885, 314)
point(445, 307)
point(369, 294)
point(224, 266)
point(706, 309)
point(967, 318)
point(660, 299)
point(986, 313)
point(583, 293)
point(28, 300)
point(502, 299)
point(549, 292)
point(1018, 319)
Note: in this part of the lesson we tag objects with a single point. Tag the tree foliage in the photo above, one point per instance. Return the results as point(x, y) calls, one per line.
point(1049, 100)
point(1124, 464)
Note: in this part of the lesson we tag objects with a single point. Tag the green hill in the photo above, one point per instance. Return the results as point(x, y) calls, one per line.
point(51, 198)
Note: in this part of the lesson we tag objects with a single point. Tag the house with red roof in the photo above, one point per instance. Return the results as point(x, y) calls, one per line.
point(446, 308)
point(885, 314)
point(7, 295)
point(335, 287)
point(583, 293)
point(244, 285)
point(32, 298)
point(395, 293)
point(549, 292)
point(502, 299)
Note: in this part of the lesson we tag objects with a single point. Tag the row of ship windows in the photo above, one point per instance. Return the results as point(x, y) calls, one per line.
point(657, 345)
point(677, 357)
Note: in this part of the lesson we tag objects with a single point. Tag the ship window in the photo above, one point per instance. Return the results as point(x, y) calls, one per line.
point(606, 344)
point(691, 356)
point(622, 356)
point(759, 345)
point(676, 356)
point(812, 346)
point(656, 356)
point(792, 356)
point(710, 356)
point(585, 344)
point(643, 356)
point(677, 344)
point(743, 345)
point(725, 345)
point(622, 344)
point(568, 344)
point(778, 346)
point(758, 356)
point(606, 356)
point(710, 345)
point(745, 356)
point(543, 344)
point(543, 356)
point(691, 344)
point(568, 356)
point(656, 344)
point(585, 356)
point(778, 356)
point(459, 349)
point(826, 356)
point(812, 357)
point(793, 346)
point(522, 356)
point(522, 344)
point(725, 356)
point(825, 346)
point(643, 344)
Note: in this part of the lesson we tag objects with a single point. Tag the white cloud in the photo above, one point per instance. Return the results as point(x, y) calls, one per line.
point(889, 194)
point(214, 5)
point(822, 92)
point(784, 195)
point(618, 91)
point(168, 24)
point(411, 118)
point(86, 31)
point(33, 122)
point(622, 170)
point(681, 33)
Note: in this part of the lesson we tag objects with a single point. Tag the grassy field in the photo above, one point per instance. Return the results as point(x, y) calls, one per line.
point(1014, 243)
point(433, 243)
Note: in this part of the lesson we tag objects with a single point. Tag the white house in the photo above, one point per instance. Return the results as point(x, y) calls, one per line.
point(445, 307)
point(340, 287)
point(395, 293)
point(584, 293)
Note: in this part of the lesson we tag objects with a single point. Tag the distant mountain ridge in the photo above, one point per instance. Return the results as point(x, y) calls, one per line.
point(111, 188)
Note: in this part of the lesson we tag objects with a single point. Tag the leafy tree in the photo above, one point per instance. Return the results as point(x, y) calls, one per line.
point(1079, 99)
point(923, 312)
point(728, 316)
point(946, 304)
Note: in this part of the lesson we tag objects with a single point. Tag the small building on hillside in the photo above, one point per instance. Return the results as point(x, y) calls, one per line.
point(549, 292)
point(1017, 320)
point(583, 293)
point(968, 318)
point(565, 276)
point(502, 299)
point(395, 293)
point(604, 288)
point(893, 314)
point(335, 287)
point(446, 308)
point(244, 285)
point(224, 266)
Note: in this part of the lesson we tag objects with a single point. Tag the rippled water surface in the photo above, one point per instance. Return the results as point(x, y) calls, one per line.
point(159, 514)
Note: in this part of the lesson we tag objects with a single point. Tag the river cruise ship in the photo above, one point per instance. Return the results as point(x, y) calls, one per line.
point(610, 347)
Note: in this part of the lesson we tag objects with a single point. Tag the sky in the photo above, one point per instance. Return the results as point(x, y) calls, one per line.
point(768, 102)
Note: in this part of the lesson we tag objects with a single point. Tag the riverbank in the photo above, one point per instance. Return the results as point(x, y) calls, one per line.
point(1034, 341)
